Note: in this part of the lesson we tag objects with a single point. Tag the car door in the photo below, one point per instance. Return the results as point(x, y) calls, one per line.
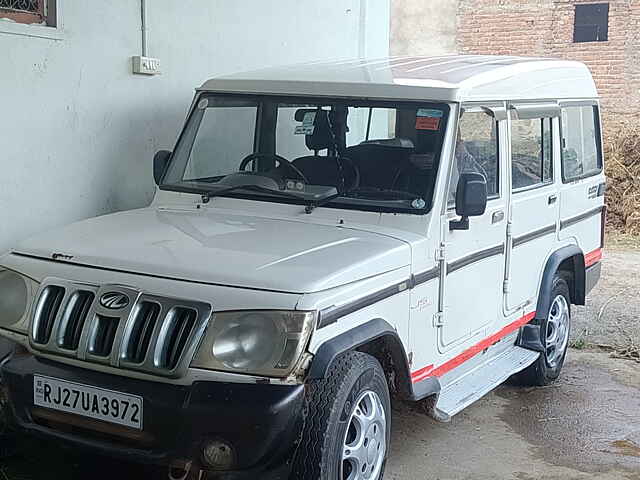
point(534, 210)
point(475, 257)
point(582, 187)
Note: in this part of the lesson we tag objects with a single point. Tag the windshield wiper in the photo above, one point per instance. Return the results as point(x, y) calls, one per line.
point(210, 194)
point(372, 193)
point(312, 205)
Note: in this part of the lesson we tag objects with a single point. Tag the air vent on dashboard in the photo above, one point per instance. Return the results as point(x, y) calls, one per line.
point(73, 319)
point(179, 325)
point(46, 312)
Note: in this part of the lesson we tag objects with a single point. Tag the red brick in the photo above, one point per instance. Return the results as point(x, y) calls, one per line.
point(545, 28)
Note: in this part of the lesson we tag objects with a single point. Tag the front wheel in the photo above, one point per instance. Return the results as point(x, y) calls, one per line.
point(347, 425)
point(554, 330)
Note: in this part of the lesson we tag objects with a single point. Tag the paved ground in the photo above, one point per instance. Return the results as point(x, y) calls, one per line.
point(586, 426)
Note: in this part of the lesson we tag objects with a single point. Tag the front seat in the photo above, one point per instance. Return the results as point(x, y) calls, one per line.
point(332, 170)
point(380, 161)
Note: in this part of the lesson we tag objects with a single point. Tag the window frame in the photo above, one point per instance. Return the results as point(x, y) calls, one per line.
point(490, 110)
point(577, 7)
point(279, 98)
point(543, 183)
point(24, 16)
point(598, 133)
point(51, 29)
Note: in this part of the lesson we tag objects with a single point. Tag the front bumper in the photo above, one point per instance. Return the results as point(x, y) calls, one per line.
point(260, 421)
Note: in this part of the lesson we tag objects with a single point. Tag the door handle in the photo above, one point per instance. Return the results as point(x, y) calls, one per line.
point(497, 216)
point(552, 199)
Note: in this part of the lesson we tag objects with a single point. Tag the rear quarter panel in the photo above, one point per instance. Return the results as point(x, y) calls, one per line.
point(580, 198)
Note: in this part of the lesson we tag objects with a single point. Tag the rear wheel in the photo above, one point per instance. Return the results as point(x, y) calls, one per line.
point(554, 331)
point(348, 419)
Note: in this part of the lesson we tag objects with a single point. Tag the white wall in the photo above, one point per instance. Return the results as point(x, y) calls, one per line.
point(78, 130)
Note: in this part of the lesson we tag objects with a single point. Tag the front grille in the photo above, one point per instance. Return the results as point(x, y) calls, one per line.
point(144, 322)
point(179, 325)
point(46, 311)
point(74, 318)
point(103, 335)
point(118, 326)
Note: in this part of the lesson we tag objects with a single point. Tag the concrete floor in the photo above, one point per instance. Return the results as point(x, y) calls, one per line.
point(587, 425)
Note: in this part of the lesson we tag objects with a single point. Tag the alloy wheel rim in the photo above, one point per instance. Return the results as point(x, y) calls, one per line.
point(365, 441)
point(557, 332)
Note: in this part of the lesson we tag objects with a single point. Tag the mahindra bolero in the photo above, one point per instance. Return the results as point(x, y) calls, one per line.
point(324, 238)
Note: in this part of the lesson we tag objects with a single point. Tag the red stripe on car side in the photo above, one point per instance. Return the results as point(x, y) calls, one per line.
point(458, 360)
point(593, 257)
point(423, 372)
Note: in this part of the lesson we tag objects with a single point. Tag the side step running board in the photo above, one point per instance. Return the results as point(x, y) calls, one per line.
point(475, 384)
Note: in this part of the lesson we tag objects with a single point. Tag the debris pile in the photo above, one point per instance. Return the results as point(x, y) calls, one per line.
point(622, 157)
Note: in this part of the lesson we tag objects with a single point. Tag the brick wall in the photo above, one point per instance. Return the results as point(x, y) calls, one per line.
point(545, 28)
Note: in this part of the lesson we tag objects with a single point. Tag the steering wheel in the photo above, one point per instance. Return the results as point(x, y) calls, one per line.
point(252, 157)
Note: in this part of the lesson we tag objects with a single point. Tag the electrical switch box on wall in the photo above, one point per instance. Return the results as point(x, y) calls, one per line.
point(145, 65)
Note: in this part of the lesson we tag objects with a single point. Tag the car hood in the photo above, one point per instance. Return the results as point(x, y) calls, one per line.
point(223, 248)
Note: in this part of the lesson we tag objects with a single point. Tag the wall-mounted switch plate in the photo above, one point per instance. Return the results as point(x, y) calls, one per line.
point(145, 65)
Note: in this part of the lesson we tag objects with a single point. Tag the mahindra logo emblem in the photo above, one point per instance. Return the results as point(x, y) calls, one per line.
point(114, 300)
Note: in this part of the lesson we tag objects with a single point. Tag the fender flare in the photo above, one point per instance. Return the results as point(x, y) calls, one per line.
point(550, 269)
point(357, 337)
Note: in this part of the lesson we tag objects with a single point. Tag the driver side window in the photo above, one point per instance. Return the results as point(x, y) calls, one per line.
point(476, 151)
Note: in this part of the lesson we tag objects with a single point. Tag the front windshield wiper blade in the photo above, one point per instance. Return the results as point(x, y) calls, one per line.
point(210, 194)
point(372, 192)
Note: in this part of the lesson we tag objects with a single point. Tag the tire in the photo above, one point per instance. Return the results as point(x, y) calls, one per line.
point(546, 369)
point(350, 407)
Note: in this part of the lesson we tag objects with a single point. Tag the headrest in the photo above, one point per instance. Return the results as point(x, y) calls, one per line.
point(391, 142)
point(301, 112)
point(322, 137)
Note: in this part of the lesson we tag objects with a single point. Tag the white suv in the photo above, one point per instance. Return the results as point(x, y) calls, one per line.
point(324, 237)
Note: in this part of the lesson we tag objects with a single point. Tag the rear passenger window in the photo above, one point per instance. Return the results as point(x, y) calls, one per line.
point(581, 153)
point(531, 158)
point(476, 151)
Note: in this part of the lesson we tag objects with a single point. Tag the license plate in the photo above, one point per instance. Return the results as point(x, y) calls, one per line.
point(88, 401)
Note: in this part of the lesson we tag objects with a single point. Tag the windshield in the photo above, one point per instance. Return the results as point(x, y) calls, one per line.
point(380, 156)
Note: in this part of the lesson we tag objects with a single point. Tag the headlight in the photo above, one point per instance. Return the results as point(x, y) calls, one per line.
point(256, 342)
point(15, 294)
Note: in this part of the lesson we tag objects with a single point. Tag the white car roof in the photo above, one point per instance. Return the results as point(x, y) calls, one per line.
point(453, 78)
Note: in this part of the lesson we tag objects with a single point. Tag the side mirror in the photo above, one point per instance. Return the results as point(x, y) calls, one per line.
point(471, 199)
point(160, 162)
